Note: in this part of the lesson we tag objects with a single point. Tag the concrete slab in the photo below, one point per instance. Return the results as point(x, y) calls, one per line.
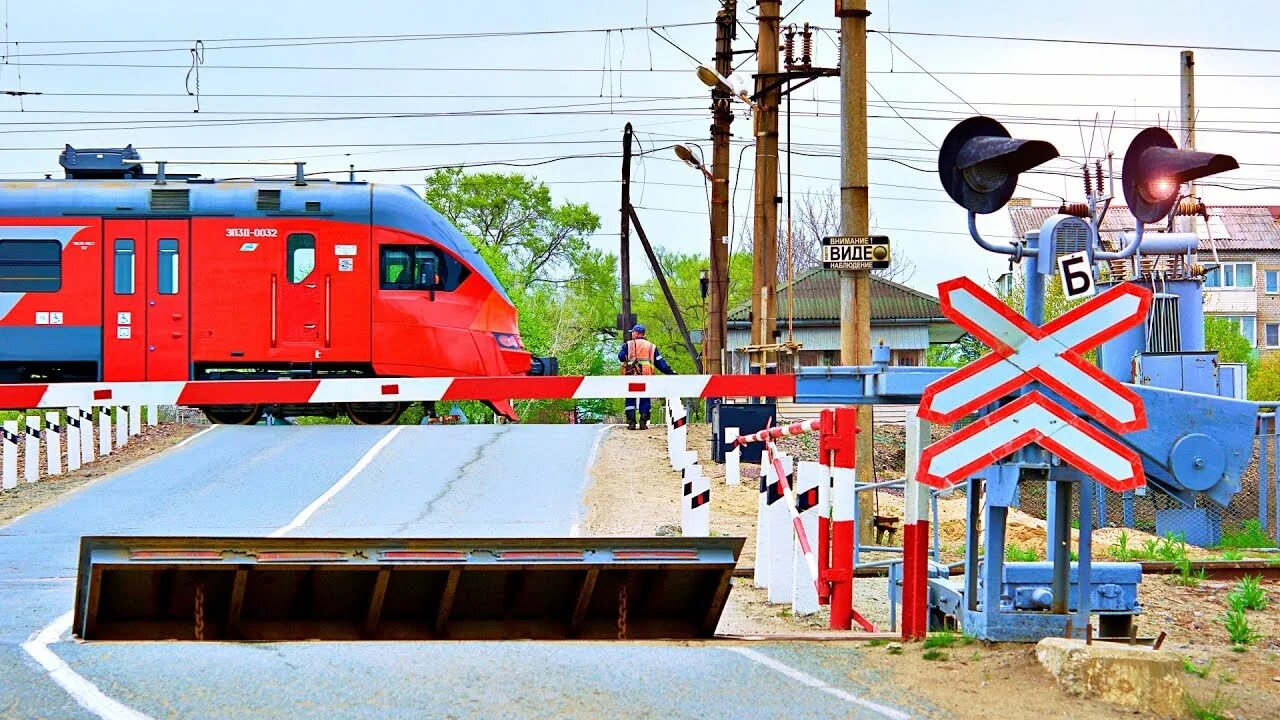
point(1125, 675)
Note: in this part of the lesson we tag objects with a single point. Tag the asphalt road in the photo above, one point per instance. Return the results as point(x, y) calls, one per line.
point(343, 480)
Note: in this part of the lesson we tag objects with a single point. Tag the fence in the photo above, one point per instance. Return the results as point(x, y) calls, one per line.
point(55, 442)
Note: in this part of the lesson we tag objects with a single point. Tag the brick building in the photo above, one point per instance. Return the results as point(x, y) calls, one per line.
point(1241, 245)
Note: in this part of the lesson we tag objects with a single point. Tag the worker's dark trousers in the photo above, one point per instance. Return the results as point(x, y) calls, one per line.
point(632, 404)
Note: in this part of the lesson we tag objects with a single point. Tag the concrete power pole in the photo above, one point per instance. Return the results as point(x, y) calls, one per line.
point(1187, 65)
point(624, 251)
point(722, 117)
point(855, 219)
point(764, 241)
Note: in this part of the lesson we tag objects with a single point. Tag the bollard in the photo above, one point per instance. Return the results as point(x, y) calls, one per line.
point(732, 458)
point(53, 441)
point(73, 439)
point(135, 420)
point(153, 415)
point(122, 426)
point(778, 525)
point(915, 535)
point(10, 454)
point(811, 502)
point(695, 508)
point(31, 450)
point(86, 436)
point(104, 432)
point(677, 440)
point(761, 576)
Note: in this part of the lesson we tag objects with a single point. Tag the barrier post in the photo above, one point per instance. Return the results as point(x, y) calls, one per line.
point(104, 432)
point(836, 447)
point(53, 441)
point(677, 439)
point(695, 515)
point(761, 577)
point(122, 426)
point(810, 503)
point(732, 458)
point(86, 436)
point(135, 420)
point(31, 450)
point(10, 454)
point(73, 439)
point(780, 531)
point(915, 535)
point(153, 415)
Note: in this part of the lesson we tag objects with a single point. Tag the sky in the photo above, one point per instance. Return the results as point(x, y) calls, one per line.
point(315, 85)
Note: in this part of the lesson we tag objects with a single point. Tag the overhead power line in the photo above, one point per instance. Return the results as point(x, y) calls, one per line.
point(1080, 41)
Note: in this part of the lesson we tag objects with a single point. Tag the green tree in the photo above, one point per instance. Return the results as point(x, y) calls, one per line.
point(1264, 382)
point(956, 354)
point(1223, 335)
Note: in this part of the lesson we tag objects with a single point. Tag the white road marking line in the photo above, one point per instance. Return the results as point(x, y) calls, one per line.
point(328, 495)
point(188, 439)
point(813, 682)
point(81, 690)
point(586, 477)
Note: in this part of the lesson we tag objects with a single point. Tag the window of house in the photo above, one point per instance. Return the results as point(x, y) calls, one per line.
point(1230, 275)
point(30, 265)
point(1247, 325)
point(300, 249)
point(1273, 335)
point(1271, 281)
point(124, 266)
point(167, 267)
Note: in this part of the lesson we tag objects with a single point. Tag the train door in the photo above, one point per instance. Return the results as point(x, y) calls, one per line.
point(124, 351)
point(168, 289)
point(301, 297)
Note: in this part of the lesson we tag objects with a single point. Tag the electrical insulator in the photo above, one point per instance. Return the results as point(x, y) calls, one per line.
point(806, 55)
point(1080, 210)
point(791, 46)
point(1088, 182)
point(1188, 207)
point(1098, 167)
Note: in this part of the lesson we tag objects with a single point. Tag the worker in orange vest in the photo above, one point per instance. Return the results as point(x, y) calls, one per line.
point(639, 357)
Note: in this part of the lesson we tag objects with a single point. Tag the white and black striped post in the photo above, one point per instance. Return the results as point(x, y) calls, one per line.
point(760, 578)
point(122, 426)
point(732, 458)
point(135, 420)
point(74, 448)
point(10, 457)
point(778, 526)
point(677, 436)
point(811, 490)
point(104, 432)
point(31, 450)
point(86, 435)
point(695, 505)
point(53, 441)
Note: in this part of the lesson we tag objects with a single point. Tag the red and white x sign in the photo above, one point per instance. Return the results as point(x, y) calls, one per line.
point(1052, 354)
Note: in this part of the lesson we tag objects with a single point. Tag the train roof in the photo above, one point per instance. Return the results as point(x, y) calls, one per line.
point(393, 206)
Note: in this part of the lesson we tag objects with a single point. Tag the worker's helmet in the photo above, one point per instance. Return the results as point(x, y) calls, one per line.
point(638, 329)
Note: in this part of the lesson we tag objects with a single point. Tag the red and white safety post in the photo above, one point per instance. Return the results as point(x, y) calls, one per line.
point(836, 446)
point(915, 534)
point(695, 505)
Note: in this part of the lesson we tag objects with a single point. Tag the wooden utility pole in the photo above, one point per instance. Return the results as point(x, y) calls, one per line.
point(855, 219)
point(722, 117)
point(624, 252)
point(764, 241)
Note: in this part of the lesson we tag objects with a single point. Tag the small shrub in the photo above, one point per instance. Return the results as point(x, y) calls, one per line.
point(1238, 628)
point(1120, 550)
point(896, 650)
point(1248, 594)
point(940, 639)
point(1014, 553)
point(1215, 709)
point(1185, 576)
point(1249, 535)
point(934, 654)
point(1232, 555)
point(1198, 671)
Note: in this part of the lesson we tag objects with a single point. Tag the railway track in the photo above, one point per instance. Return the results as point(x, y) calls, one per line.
point(1213, 569)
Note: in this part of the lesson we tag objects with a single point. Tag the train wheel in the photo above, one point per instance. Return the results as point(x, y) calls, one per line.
point(374, 413)
point(234, 414)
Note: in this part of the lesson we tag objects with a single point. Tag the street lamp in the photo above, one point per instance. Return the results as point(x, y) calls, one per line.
point(713, 79)
point(686, 155)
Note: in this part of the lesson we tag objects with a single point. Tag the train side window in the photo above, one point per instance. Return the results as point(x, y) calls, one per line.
point(30, 265)
point(124, 266)
point(167, 267)
point(301, 251)
point(415, 267)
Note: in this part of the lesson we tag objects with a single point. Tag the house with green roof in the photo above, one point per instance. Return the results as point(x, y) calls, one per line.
point(905, 319)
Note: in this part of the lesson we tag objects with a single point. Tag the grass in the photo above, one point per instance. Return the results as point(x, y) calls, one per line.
point(1215, 709)
point(1248, 535)
point(1248, 594)
point(1013, 553)
point(1238, 628)
point(1185, 576)
point(878, 642)
point(934, 654)
point(896, 650)
point(945, 639)
point(1232, 555)
point(1197, 670)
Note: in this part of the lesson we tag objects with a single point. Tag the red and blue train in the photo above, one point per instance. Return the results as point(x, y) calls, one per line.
point(112, 274)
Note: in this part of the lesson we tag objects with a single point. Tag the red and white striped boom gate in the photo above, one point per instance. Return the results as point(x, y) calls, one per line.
point(203, 393)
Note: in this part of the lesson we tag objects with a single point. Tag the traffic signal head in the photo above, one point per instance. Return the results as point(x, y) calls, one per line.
point(1155, 169)
point(979, 163)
